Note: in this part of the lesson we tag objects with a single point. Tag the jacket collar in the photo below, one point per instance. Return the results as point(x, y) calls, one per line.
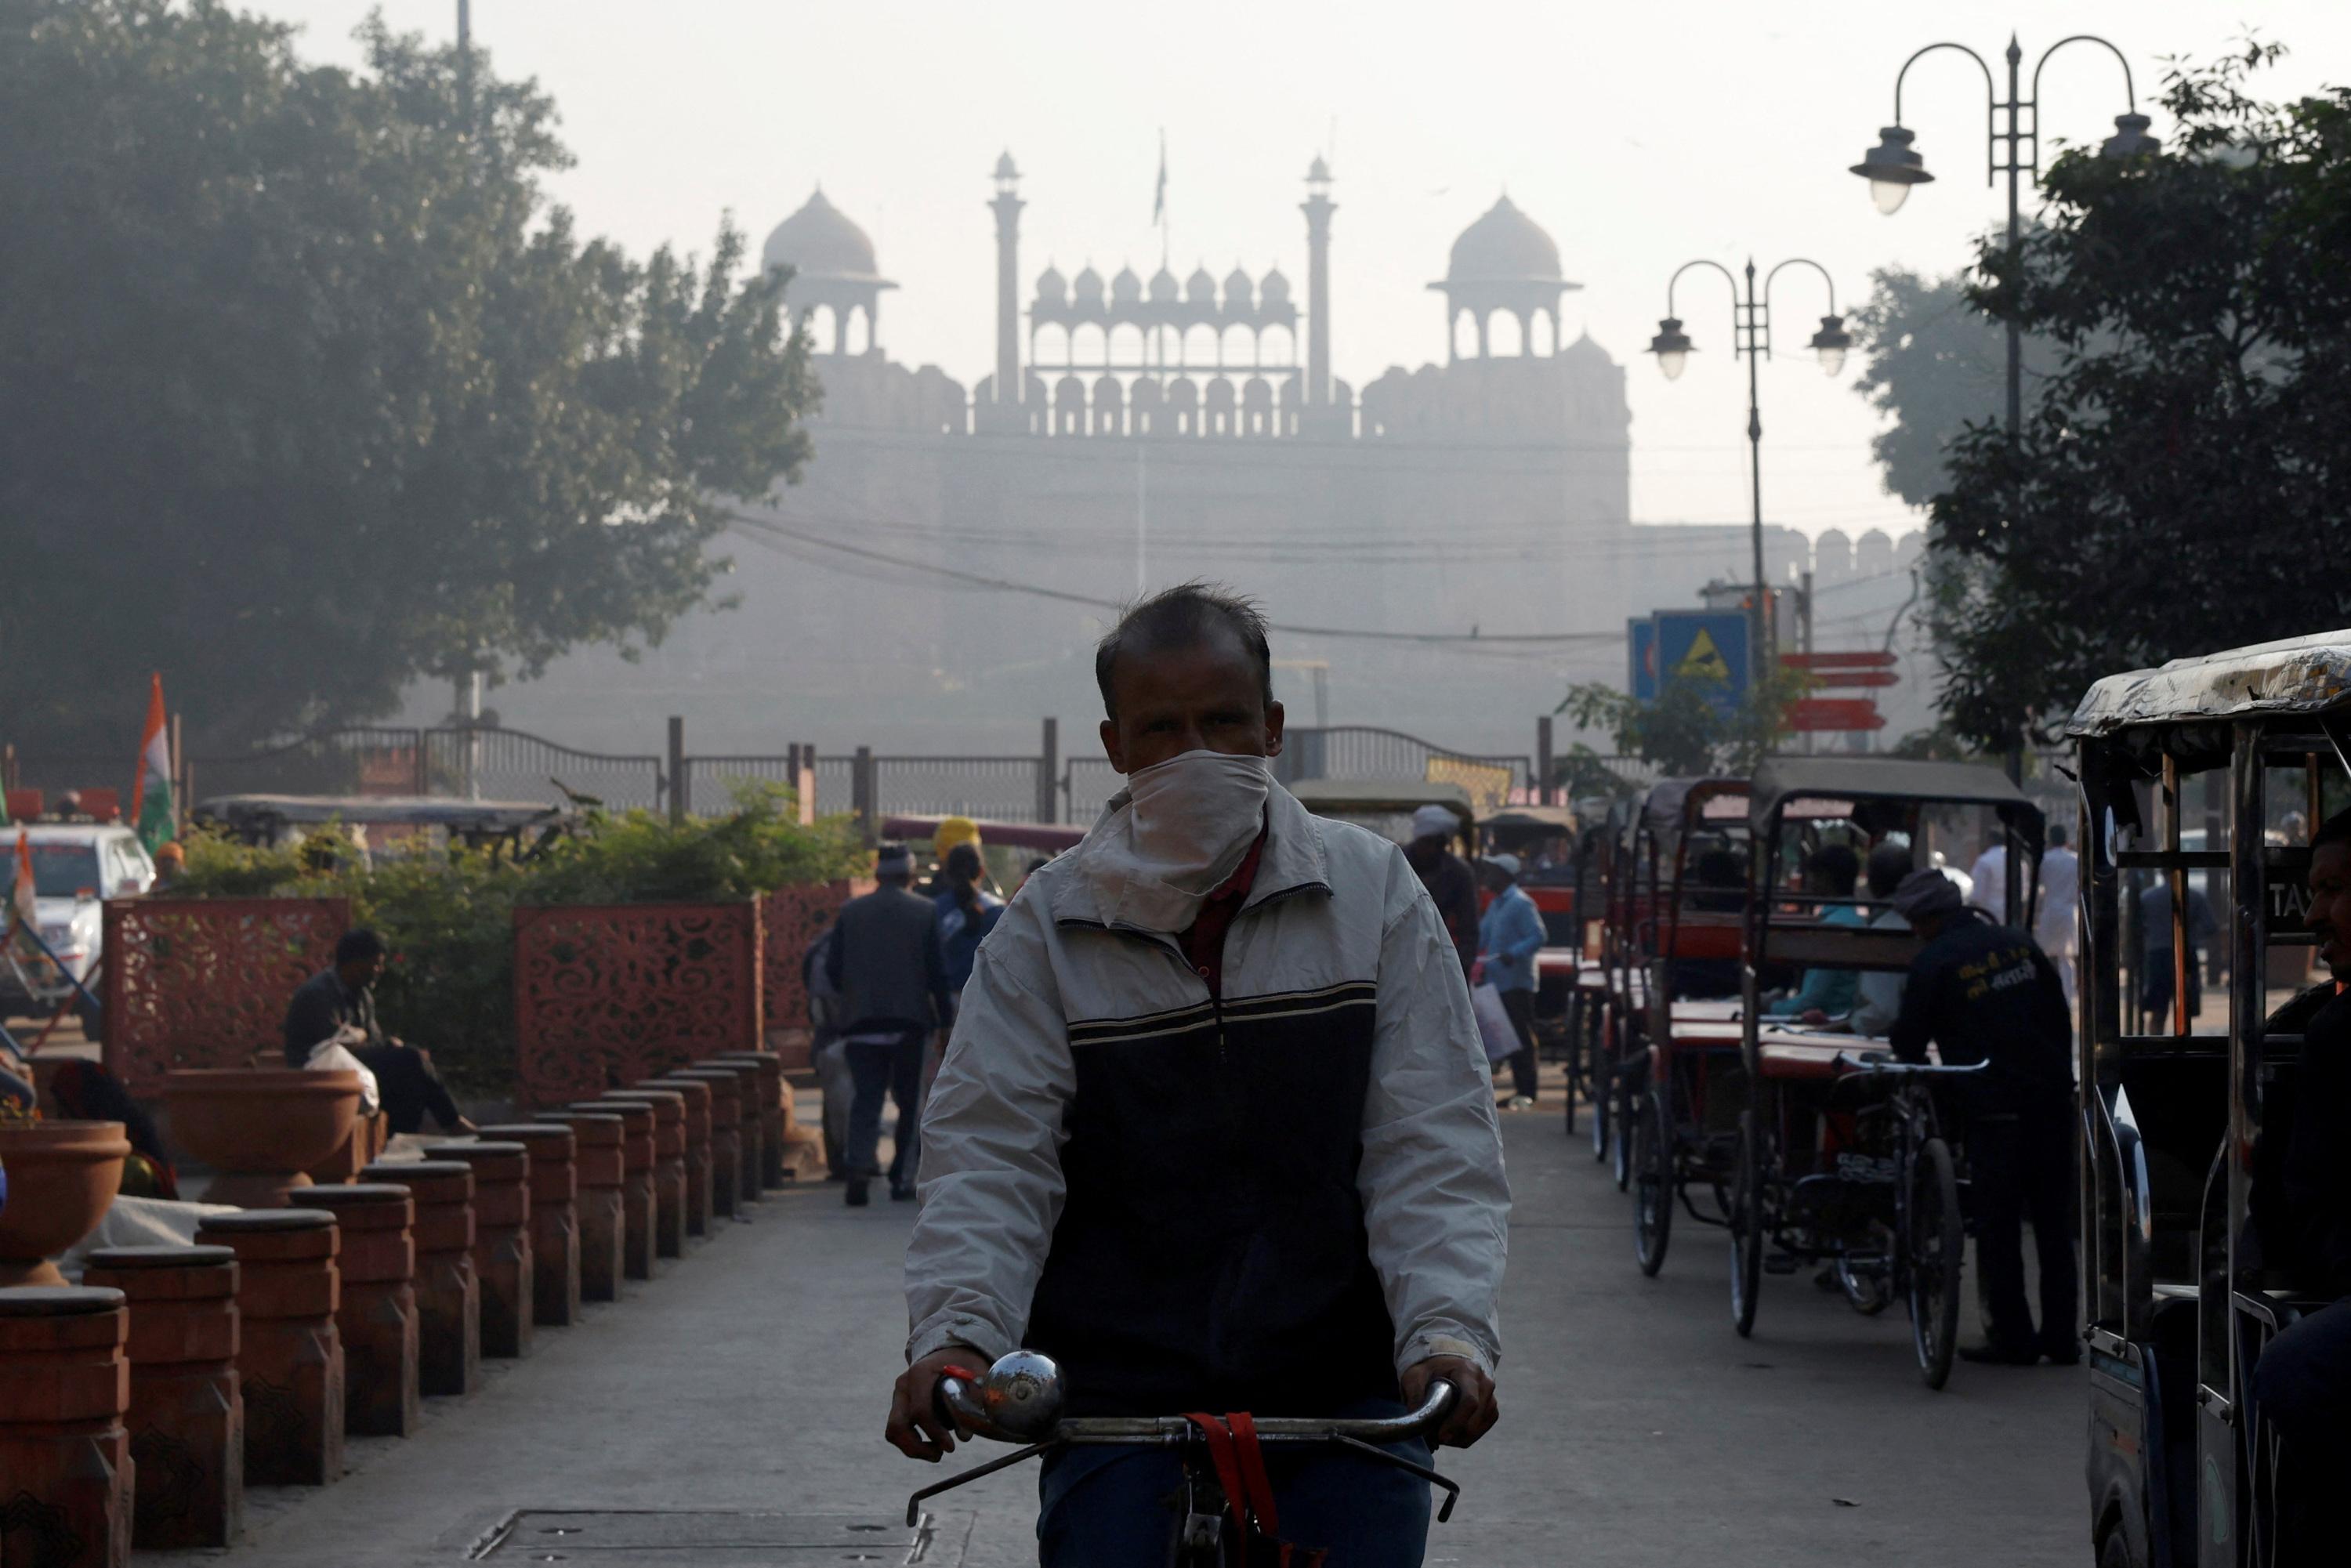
point(1097, 889)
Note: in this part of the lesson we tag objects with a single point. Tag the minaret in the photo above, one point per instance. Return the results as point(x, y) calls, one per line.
point(1007, 207)
point(1318, 208)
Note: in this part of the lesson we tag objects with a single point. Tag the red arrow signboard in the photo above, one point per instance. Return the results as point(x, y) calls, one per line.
point(1819, 714)
point(1825, 680)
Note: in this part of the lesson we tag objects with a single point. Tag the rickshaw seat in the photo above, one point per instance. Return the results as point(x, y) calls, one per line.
point(1791, 1056)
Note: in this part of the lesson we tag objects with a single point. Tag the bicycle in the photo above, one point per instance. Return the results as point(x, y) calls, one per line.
point(1930, 1238)
point(1226, 1502)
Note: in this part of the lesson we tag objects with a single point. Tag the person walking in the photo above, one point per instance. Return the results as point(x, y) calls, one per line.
point(1982, 992)
point(1213, 1129)
point(1510, 934)
point(1447, 877)
point(2056, 923)
point(966, 911)
point(884, 961)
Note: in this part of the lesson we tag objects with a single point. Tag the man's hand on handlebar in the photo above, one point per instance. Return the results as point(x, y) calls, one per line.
point(916, 1428)
point(1475, 1410)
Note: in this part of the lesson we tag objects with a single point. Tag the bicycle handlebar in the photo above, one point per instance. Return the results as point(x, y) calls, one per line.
point(1019, 1399)
point(1885, 1068)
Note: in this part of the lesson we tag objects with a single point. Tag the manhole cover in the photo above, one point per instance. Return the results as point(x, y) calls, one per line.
point(626, 1540)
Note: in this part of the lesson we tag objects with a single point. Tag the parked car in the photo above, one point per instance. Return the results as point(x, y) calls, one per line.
point(77, 867)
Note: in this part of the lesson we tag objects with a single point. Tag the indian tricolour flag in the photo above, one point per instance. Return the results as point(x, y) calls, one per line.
point(23, 914)
point(150, 795)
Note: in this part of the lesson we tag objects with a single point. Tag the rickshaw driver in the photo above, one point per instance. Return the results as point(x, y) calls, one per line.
point(2302, 1384)
point(1215, 1129)
point(1983, 991)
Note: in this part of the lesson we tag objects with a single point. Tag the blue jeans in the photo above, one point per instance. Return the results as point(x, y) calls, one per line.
point(1115, 1508)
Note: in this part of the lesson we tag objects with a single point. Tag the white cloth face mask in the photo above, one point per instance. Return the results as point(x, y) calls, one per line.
point(1191, 818)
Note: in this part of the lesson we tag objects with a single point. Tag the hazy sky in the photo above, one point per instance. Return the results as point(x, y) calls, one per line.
point(1640, 136)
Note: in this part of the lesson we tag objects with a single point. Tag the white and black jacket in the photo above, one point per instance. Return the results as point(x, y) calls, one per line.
point(1275, 1201)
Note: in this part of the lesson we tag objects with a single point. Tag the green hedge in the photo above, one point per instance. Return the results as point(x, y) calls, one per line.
point(448, 917)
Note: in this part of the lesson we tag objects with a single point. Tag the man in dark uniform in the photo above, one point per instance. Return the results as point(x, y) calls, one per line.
point(2302, 1385)
point(1982, 992)
point(1450, 881)
point(340, 1001)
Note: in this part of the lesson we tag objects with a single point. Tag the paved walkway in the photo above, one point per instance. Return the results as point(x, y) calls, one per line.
point(1638, 1430)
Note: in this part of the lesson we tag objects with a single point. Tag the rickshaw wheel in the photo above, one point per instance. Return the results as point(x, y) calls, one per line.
point(1602, 1079)
point(1866, 1293)
point(1652, 1178)
point(1746, 1225)
point(1620, 1135)
point(1935, 1242)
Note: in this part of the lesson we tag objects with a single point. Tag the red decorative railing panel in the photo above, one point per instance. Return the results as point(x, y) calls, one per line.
point(796, 917)
point(607, 994)
point(203, 982)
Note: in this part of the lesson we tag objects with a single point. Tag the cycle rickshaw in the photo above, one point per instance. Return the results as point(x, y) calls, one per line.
point(2189, 1276)
point(1690, 861)
point(1842, 1157)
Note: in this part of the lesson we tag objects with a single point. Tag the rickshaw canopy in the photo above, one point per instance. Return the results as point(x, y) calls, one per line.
point(1829, 781)
point(2299, 676)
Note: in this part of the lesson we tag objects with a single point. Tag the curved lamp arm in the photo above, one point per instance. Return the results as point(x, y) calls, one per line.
point(1727, 277)
point(1991, 100)
point(1800, 261)
point(2130, 92)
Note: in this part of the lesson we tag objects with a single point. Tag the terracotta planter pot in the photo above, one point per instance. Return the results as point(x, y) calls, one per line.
point(355, 1152)
point(750, 1131)
point(290, 1358)
point(502, 1249)
point(725, 1086)
point(261, 1128)
point(186, 1416)
point(554, 1216)
point(600, 1171)
point(64, 1453)
point(378, 1317)
point(448, 1297)
point(672, 1188)
point(769, 1099)
point(698, 1147)
point(62, 1178)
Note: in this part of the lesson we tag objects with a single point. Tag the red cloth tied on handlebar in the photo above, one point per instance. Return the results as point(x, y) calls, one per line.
point(1239, 1459)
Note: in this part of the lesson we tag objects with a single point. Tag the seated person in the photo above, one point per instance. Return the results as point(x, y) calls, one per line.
point(1877, 994)
point(2302, 1385)
point(1825, 993)
point(85, 1092)
point(339, 1004)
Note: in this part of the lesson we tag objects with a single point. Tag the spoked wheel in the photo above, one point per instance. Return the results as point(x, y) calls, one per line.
point(1653, 1182)
point(1603, 1078)
point(1746, 1225)
point(1934, 1244)
point(1620, 1140)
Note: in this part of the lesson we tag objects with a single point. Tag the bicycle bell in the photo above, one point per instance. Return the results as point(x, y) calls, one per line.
point(1022, 1394)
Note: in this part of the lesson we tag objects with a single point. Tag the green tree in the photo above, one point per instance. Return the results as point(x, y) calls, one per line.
point(1683, 732)
point(307, 392)
point(2183, 479)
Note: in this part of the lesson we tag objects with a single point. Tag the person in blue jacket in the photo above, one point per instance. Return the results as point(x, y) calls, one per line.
point(1510, 934)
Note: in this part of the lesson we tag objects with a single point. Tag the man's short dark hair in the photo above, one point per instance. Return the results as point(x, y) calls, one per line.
point(1839, 865)
point(358, 945)
point(2057, 835)
point(1181, 617)
point(1888, 864)
point(2335, 829)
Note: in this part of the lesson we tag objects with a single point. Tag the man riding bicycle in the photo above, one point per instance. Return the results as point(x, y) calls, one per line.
point(1215, 1130)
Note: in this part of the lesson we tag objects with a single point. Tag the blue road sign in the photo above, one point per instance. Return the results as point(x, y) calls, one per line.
point(1707, 648)
point(1641, 647)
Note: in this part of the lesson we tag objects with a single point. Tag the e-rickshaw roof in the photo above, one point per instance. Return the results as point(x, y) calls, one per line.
point(1532, 819)
point(1781, 781)
point(2301, 676)
point(1325, 796)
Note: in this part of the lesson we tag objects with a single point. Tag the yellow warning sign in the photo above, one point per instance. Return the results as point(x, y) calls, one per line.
point(1704, 661)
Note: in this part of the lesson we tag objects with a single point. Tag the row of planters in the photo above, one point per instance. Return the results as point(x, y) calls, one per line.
point(136, 1406)
point(631, 945)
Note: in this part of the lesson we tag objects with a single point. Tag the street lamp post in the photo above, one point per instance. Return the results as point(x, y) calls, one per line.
point(1892, 168)
point(1751, 335)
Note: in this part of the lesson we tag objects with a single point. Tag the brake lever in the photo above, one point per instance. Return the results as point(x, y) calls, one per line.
point(915, 1503)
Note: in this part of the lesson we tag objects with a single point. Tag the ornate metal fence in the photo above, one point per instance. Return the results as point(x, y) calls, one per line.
point(203, 982)
point(606, 995)
point(490, 763)
point(794, 917)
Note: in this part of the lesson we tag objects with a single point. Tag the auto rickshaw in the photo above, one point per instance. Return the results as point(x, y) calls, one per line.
point(2188, 1275)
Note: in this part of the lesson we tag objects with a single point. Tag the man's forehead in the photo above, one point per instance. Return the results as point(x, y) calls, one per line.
point(1213, 655)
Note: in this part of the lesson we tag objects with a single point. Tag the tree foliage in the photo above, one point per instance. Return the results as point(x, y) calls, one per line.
point(2183, 479)
point(307, 392)
point(1684, 733)
point(1934, 363)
